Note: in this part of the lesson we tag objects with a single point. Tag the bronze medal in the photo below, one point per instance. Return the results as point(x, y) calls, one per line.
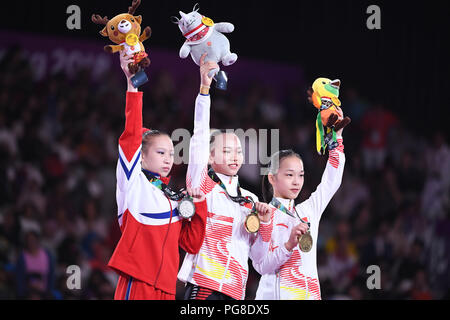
point(252, 223)
point(305, 242)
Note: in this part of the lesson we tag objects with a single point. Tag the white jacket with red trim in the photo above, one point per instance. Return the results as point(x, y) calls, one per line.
point(222, 262)
point(293, 275)
point(151, 227)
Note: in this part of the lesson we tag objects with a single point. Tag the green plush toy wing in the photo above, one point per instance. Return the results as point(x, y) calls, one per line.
point(320, 141)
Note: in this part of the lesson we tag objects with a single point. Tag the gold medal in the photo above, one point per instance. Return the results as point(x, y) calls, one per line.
point(131, 39)
point(305, 242)
point(252, 223)
point(207, 22)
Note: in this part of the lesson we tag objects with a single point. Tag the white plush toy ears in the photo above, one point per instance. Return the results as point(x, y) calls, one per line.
point(175, 20)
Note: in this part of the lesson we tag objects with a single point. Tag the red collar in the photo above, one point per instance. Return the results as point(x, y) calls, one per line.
point(193, 30)
point(165, 180)
point(198, 35)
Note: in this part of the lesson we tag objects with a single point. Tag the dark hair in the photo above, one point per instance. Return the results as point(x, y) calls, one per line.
point(147, 137)
point(214, 133)
point(273, 166)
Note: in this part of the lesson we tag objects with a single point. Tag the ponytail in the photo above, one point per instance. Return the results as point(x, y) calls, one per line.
point(267, 190)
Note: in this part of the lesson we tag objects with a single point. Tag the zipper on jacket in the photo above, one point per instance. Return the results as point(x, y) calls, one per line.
point(225, 273)
point(307, 288)
point(164, 243)
point(277, 289)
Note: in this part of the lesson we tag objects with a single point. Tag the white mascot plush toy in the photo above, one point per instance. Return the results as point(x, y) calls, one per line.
point(204, 36)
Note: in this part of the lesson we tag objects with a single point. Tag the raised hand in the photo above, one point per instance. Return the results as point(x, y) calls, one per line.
point(339, 127)
point(205, 68)
point(196, 193)
point(125, 61)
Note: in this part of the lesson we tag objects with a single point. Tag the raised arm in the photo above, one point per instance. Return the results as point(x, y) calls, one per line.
point(131, 139)
point(199, 144)
point(224, 27)
point(330, 183)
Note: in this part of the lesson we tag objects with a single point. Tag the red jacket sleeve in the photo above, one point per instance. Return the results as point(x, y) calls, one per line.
point(129, 164)
point(193, 232)
point(131, 138)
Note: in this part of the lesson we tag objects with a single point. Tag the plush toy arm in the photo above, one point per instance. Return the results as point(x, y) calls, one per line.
point(224, 27)
point(113, 49)
point(145, 34)
point(185, 50)
point(316, 101)
point(336, 101)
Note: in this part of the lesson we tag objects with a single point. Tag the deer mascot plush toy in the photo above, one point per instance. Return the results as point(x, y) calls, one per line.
point(204, 36)
point(125, 31)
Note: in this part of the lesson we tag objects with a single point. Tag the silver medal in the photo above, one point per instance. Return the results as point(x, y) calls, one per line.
point(186, 208)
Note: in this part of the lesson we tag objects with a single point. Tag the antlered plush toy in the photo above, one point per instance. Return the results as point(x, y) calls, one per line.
point(125, 31)
point(204, 36)
point(325, 97)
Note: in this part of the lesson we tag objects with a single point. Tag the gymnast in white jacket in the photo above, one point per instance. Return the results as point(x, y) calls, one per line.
point(289, 271)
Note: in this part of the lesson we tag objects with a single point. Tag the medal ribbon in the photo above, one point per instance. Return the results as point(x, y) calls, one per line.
point(172, 195)
point(277, 204)
point(239, 199)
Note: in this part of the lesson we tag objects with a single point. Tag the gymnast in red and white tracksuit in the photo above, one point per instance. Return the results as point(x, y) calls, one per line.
point(147, 255)
point(220, 270)
point(288, 273)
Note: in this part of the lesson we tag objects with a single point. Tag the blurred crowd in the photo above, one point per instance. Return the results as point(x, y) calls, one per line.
point(58, 154)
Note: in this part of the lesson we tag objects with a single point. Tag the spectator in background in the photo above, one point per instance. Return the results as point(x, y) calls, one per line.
point(420, 289)
point(435, 196)
point(342, 260)
point(342, 236)
point(91, 222)
point(410, 178)
point(34, 269)
point(376, 124)
point(406, 268)
point(351, 195)
point(343, 266)
point(355, 105)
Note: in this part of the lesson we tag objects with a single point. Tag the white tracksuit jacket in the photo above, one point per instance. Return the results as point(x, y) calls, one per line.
point(293, 275)
point(222, 262)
